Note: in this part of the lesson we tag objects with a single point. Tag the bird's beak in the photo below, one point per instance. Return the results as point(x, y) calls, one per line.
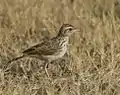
point(76, 30)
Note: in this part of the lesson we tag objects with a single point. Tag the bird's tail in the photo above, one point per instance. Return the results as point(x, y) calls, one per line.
point(15, 59)
point(5, 68)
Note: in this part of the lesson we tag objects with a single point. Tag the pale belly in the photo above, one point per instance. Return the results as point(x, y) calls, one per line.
point(57, 55)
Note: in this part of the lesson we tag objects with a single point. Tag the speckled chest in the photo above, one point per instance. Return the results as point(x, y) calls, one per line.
point(60, 46)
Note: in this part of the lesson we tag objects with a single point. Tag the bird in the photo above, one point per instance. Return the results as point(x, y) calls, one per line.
point(51, 49)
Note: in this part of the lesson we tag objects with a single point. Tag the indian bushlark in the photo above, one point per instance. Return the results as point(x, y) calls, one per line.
point(52, 49)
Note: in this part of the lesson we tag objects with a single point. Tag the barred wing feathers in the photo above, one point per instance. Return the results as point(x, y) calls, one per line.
point(44, 48)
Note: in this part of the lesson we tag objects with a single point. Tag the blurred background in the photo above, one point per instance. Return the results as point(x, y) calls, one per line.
point(93, 64)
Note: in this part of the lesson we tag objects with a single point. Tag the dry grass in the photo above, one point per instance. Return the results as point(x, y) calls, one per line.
point(93, 67)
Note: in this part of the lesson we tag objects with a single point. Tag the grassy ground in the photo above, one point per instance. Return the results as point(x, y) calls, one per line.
point(93, 67)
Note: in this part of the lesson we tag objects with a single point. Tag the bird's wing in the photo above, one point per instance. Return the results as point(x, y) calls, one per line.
point(43, 48)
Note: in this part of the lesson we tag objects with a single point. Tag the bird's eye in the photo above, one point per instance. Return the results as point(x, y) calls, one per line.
point(70, 29)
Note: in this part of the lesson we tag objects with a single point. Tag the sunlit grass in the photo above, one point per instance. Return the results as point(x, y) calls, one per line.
point(92, 67)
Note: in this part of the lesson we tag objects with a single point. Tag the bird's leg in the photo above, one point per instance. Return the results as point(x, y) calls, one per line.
point(67, 54)
point(46, 64)
point(46, 71)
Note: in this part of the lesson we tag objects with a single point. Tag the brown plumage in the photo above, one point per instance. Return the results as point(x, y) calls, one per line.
point(51, 49)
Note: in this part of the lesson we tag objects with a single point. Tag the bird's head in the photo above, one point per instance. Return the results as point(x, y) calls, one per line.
point(66, 30)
